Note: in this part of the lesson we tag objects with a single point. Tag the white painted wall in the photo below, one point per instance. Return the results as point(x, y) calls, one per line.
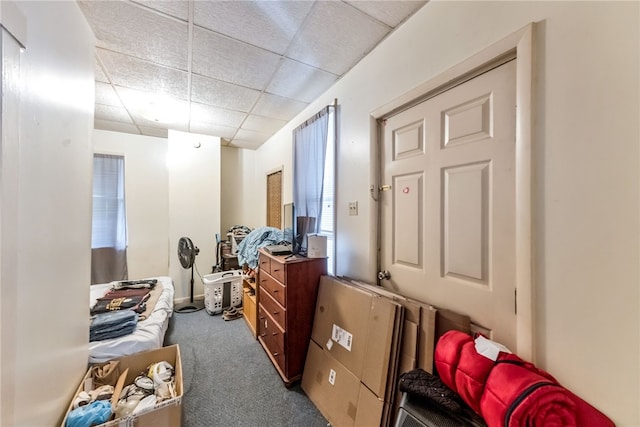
point(147, 199)
point(237, 193)
point(587, 186)
point(172, 190)
point(46, 213)
point(194, 204)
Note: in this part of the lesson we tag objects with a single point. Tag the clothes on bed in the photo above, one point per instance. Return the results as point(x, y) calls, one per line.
point(258, 238)
point(150, 329)
point(133, 303)
point(135, 284)
point(119, 293)
point(112, 324)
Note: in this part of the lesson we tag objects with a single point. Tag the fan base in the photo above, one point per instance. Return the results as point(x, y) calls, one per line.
point(189, 307)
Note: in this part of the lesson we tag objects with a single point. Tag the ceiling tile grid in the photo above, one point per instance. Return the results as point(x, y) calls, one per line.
point(239, 70)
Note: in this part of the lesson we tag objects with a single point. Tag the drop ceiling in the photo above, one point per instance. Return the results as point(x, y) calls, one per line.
point(239, 70)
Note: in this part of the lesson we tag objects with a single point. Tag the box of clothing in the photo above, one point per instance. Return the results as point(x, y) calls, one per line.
point(143, 389)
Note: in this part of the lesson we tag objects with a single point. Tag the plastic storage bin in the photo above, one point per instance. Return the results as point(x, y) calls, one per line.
point(222, 291)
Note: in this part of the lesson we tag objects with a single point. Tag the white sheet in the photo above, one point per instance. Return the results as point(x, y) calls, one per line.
point(149, 333)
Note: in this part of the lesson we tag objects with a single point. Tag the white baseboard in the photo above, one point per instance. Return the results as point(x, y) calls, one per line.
point(187, 299)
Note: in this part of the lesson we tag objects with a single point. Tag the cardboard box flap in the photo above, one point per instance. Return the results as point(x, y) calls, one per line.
point(339, 395)
point(370, 408)
point(418, 315)
point(341, 322)
point(384, 332)
point(330, 386)
point(426, 338)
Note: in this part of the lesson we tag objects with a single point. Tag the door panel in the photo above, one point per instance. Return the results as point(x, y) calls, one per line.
point(448, 221)
point(408, 220)
point(465, 222)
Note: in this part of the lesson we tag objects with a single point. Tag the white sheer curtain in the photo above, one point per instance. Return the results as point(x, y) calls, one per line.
point(109, 224)
point(313, 176)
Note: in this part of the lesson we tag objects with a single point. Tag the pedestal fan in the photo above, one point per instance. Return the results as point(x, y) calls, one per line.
point(187, 252)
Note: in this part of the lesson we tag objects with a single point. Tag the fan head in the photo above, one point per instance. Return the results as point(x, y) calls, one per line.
point(187, 252)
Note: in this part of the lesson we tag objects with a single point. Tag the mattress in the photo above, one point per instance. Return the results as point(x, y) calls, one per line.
point(149, 333)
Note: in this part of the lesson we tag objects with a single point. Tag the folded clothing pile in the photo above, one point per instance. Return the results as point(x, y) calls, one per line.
point(113, 324)
point(115, 314)
point(119, 299)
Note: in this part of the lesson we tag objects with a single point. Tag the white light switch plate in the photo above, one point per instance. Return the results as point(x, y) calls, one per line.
point(353, 208)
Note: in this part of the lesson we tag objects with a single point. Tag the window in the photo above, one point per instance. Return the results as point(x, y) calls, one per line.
point(314, 175)
point(109, 224)
point(327, 222)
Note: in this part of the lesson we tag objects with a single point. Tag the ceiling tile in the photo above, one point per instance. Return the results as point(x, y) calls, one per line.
point(106, 95)
point(300, 81)
point(126, 27)
point(391, 12)
point(149, 109)
point(249, 145)
point(138, 74)
point(252, 136)
point(254, 64)
point(278, 107)
point(215, 115)
point(268, 24)
point(232, 61)
point(114, 114)
point(115, 126)
point(265, 124)
point(212, 129)
point(221, 94)
point(335, 37)
point(178, 8)
point(99, 72)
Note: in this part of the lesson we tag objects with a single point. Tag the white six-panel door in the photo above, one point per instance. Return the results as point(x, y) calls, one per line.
point(448, 213)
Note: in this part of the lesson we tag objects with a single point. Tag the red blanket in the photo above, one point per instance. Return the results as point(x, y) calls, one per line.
point(510, 391)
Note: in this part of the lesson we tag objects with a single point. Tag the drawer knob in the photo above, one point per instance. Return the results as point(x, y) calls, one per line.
point(274, 333)
point(276, 353)
point(276, 269)
point(263, 335)
point(276, 312)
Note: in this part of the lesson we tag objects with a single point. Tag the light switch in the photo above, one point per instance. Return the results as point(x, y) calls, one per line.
point(353, 208)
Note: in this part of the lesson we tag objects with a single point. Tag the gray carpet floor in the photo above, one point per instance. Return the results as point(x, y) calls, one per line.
point(229, 380)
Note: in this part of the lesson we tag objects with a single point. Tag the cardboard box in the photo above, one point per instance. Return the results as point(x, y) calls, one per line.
point(167, 413)
point(359, 329)
point(419, 330)
point(339, 395)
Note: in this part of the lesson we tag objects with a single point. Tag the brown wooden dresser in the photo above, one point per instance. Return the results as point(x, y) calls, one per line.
point(288, 288)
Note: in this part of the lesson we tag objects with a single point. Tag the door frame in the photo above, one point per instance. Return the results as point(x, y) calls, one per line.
point(519, 45)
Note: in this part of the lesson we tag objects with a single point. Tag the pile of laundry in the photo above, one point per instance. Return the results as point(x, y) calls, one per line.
point(153, 385)
point(258, 238)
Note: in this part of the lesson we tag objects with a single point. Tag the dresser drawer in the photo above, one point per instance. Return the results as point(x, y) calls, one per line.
point(264, 262)
point(273, 288)
point(272, 336)
point(277, 271)
point(276, 311)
